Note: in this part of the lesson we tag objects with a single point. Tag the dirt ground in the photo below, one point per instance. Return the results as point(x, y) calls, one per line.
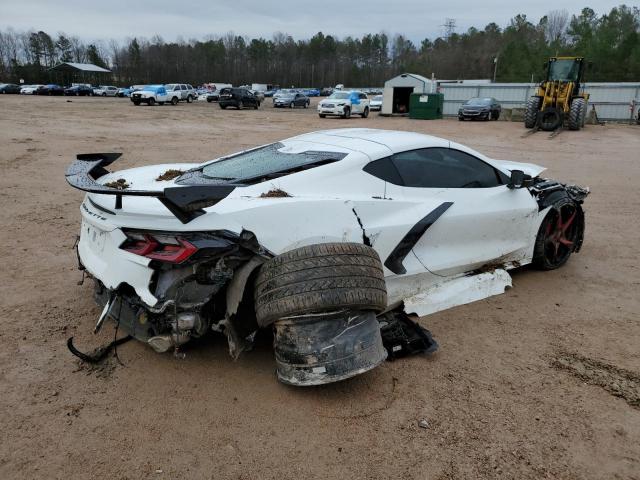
point(541, 382)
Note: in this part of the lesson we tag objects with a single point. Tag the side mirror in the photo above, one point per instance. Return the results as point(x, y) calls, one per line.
point(518, 179)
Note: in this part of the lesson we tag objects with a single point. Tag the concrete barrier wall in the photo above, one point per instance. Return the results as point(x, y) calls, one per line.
point(612, 100)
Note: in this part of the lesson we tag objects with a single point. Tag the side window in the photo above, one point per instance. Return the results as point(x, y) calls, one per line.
point(444, 168)
point(363, 96)
point(183, 87)
point(384, 169)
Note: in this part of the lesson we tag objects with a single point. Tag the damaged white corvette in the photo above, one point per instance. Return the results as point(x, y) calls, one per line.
point(327, 238)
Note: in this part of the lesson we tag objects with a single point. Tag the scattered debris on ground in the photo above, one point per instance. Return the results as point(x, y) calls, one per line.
point(617, 381)
point(120, 184)
point(169, 175)
point(275, 193)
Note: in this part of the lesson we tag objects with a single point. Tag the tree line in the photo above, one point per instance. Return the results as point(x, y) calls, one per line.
point(514, 53)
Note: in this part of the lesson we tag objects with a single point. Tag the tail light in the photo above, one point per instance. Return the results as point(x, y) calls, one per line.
point(165, 248)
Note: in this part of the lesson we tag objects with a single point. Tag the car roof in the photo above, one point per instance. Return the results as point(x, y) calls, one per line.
point(371, 141)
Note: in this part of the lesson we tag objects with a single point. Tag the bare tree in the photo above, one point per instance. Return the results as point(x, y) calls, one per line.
point(555, 30)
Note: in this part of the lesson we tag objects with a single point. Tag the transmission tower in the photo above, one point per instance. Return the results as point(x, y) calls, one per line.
point(449, 27)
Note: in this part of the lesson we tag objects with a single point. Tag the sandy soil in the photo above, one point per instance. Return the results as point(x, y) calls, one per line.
point(541, 382)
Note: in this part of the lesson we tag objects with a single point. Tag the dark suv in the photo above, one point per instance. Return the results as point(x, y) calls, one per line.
point(237, 97)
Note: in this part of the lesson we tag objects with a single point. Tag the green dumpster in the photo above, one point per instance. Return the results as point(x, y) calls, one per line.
point(426, 106)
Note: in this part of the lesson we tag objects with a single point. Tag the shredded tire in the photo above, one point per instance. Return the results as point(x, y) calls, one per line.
point(320, 278)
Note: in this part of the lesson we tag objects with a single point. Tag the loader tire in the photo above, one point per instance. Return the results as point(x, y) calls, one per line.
point(576, 113)
point(320, 278)
point(550, 119)
point(531, 112)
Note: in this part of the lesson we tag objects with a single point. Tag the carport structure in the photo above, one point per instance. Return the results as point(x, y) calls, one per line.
point(67, 73)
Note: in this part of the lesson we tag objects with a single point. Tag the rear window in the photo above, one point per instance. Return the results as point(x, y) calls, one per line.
point(265, 163)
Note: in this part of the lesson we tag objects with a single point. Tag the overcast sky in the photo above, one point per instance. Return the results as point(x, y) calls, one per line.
point(417, 19)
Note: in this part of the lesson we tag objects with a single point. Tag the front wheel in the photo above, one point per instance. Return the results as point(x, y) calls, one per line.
point(160, 103)
point(240, 105)
point(576, 113)
point(560, 234)
point(531, 112)
point(189, 99)
point(136, 103)
point(365, 114)
point(347, 113)
point(306, 105)
point(151, 102)
point(322, 115)
point(174, 101)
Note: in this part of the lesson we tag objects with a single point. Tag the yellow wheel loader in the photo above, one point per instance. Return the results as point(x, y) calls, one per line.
point(560, 99)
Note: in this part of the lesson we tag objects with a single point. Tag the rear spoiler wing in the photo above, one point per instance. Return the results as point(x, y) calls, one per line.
point(186, 202)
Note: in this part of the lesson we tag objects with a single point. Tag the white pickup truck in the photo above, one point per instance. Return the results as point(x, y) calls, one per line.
point(344, 103)
point(152, 94)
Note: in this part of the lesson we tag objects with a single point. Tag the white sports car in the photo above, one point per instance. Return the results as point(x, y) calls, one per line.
point(324, 235)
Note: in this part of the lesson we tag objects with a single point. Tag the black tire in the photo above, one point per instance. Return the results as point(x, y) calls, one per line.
point(365, 114)
point(160, 103)
point(320, 278)
point(576, 113)
point(209, 100)
point(189, 99)
point(174, 101)
point(347, 113)
point(223, 107)
point(550, 119)
point(560, 234)
point(104, 94)
point(461, 119)
point(151, 102)
point(531, 112)
point(240, 105)
point(136, 103)
point(306, 105)
point(322, 115)
point(292, 104)
point(495, 115)
point(257, 105)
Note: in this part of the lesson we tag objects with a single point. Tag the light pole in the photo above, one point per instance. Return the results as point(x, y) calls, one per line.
point(495, 68)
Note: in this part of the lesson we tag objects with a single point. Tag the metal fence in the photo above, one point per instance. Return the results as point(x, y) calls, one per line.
point(611, 100)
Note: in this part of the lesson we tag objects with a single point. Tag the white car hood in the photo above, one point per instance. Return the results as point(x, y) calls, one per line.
point(528, 168)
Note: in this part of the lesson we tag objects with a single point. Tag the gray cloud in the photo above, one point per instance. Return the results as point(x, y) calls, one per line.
point(171, 19)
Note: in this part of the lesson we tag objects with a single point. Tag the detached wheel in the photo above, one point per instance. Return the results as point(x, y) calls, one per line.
point(531, 112)
point(320, 278)
point(550, 119)
point(560, 234)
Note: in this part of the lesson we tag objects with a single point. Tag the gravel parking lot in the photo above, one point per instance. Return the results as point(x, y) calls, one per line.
point(541, 382)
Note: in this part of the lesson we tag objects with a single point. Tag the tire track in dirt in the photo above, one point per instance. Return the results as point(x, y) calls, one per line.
point(617, 381)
